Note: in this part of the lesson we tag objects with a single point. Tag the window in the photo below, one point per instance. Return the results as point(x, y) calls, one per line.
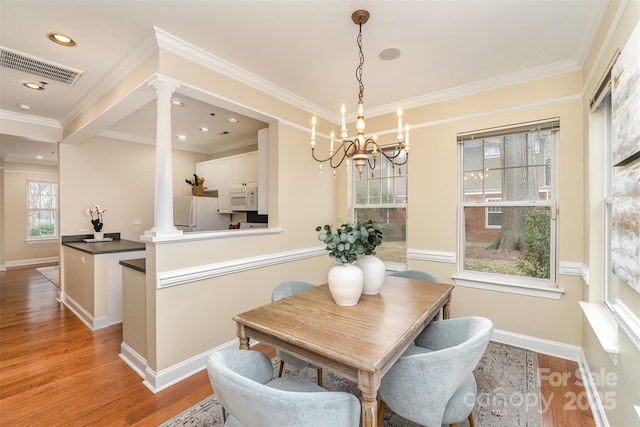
point(507, 203)
point(42, 199)
point(381, 194)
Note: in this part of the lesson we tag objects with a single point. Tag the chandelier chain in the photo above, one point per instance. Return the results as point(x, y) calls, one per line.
point(359, 68)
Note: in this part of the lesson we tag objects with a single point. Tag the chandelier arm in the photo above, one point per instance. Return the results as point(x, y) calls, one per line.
point(313, 153)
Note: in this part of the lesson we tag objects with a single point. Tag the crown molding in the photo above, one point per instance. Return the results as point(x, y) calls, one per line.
point(124, 136)
point(27, 118)
point(531, 74)
point(193, 53)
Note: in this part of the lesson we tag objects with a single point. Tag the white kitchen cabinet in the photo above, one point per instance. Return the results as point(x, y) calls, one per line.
point(226, 173)
point(215, 173)
point(244, 169)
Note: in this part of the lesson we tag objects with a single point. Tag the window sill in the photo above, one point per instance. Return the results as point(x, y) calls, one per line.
point(605, 327)
point(470, 281)
point(43, 240)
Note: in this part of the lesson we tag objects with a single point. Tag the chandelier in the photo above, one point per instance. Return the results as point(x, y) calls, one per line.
point(359, 147)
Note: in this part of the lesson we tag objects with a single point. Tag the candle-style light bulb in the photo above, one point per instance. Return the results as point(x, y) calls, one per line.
point(406, 138)
point(399, 120)
point(343, 112)
point(313, 131)
point(331, 147)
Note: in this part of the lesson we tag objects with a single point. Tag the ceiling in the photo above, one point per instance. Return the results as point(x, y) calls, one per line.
point(302, 50)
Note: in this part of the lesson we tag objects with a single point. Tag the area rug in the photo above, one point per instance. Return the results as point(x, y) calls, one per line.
point(508, 393)
point(51, 273)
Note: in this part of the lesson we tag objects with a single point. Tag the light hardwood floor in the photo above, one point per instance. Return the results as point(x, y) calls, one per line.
point(54, 371)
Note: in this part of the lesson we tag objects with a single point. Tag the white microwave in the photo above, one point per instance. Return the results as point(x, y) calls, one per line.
point(244, 199)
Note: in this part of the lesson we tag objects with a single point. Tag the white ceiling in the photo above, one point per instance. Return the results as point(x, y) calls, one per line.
point(305, 50)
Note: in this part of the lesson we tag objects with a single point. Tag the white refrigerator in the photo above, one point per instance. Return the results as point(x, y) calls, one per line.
point(198, 214)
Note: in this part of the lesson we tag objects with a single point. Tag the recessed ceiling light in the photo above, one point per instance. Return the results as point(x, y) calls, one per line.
point(177, 103)
point(24, 106)
point(390, 53)
point(181, 137)
point(232, 120)
point(61, 39)
point(39, 157)
point(33, 85)
point(205, 129)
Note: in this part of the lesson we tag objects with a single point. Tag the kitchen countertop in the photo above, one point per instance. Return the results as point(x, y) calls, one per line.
point(99, 248)
point(138, 264)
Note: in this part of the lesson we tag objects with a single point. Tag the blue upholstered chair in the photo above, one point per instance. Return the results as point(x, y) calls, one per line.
point(250, 397)
point(281, 291)
point(419, 275)
point(432, 383)
point(416, 274)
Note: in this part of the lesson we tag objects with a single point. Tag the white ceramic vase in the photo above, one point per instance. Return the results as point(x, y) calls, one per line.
point(98, 235)
point(374, 272)
point(345, 284)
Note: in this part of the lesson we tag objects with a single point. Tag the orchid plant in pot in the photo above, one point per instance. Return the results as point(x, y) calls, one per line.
point(95, 212)
point(372, 267)
point(346, 246)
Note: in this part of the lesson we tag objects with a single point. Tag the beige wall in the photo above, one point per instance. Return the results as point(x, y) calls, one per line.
point(16, 249)
point(618, 385)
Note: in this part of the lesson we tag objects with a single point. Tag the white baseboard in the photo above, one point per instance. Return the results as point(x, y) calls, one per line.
point(133, 359)
point(597, 409)
point(32, 261)
point(539, 345)
point(158, 381)
point(91, 322)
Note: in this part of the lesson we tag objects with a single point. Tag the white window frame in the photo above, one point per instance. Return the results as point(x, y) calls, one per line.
point(56, 225)
point(353, 176)
point(500, 282)
point(488, 211)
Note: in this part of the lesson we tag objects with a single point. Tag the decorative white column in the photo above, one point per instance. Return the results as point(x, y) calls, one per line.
point(163, 212)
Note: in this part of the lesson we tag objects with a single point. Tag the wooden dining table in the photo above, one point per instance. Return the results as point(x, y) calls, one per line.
point(360, 342)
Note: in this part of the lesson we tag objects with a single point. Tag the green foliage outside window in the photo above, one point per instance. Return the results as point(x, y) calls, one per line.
point(42, 230)
point(536, 244)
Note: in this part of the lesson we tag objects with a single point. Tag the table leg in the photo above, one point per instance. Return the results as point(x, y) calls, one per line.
point(242, 336)
point(369, 384)
point(446, 310)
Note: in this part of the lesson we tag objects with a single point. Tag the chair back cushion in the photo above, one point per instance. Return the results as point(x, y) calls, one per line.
point(240, 380)
point(421, 383)
point(289, 288)
point(416, 274)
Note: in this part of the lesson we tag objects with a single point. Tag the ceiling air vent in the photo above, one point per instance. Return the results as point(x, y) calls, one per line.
point(38, 67)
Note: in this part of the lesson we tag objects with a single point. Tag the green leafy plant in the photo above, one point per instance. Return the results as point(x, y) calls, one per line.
point(535, 241)
point(195, 182)
point(346, 245)
point(371, 234)
point(96, 212)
